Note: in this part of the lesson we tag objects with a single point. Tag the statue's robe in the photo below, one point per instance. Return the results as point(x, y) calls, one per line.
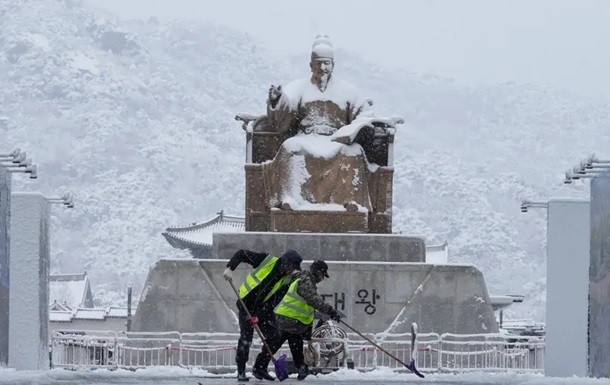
point(311, 171)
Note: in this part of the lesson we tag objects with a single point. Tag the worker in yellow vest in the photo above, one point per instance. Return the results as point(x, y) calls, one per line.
point(295, 316)
point(261, 291)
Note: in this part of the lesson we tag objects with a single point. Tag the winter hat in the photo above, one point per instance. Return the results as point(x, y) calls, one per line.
point(321, 266)
point(294, 258)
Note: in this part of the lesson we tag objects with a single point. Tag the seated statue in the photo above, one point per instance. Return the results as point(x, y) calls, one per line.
point(322, 164)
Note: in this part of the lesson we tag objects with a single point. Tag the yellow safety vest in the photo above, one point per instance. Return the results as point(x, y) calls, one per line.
point(285, 280)
point(294, 306)
point(256, 276)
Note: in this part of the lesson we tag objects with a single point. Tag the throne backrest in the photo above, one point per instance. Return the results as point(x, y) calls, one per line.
point(265, 142)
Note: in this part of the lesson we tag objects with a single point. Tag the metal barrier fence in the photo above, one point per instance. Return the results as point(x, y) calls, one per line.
point(215, 352)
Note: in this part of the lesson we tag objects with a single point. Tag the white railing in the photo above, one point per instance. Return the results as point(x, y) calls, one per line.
point(215, 352)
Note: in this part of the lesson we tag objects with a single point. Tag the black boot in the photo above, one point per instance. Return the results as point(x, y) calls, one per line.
point(241, 377)
point(259, 369)
point(303, 372)
point(241, 372)
point(262, 374)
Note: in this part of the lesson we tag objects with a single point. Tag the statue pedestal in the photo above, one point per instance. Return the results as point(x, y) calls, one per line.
point(372, 248)
point(188, 296)
point(295, 221)
point(380, 281)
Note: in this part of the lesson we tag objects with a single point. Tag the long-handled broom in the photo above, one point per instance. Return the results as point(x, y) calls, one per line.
point(411, 364)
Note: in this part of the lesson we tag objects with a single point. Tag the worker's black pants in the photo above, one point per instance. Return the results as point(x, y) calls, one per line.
point(266, 322)
point(295, 342)
point(276, 340)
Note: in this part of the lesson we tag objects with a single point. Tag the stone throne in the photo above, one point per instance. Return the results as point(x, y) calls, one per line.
point(263, 141)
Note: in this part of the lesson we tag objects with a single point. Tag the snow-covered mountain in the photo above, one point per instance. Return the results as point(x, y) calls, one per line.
point(136, 118)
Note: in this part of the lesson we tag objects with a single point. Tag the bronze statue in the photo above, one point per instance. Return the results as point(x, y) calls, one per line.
point(331, 143)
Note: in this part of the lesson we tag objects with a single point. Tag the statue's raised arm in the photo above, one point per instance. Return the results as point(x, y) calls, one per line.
point(280, 110)
point(275, 93)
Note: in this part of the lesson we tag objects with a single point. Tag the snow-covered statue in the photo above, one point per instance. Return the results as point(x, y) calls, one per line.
point(332, 148)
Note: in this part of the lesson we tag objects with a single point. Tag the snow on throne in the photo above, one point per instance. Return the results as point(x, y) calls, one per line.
point(319, 160)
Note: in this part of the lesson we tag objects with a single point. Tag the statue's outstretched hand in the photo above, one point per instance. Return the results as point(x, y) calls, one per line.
point(274, 94)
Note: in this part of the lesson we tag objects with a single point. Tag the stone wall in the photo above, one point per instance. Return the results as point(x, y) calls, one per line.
point(192, 296)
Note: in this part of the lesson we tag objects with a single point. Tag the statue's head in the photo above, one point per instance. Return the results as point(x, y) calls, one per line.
point(322, 61)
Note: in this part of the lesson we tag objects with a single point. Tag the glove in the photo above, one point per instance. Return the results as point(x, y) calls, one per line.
point(334, 315)
point(253, 320)
point(228, 274)
point(322, 316)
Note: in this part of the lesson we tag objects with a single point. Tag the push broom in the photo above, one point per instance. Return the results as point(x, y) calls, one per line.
point(411, 364)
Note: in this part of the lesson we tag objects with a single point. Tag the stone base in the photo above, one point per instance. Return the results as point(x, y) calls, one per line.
point(192, 296)
point(295, 221)
point(335, 247)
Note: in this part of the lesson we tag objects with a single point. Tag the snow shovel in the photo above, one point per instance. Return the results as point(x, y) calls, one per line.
point(280, 364)
point(411, 364)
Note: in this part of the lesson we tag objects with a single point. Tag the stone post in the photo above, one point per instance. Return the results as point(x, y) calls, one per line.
point(567, 288)
point(599, 278)
point(29, 269)
point(5, 215)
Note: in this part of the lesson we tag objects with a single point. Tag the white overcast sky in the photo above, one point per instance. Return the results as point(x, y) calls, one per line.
point(563, 43)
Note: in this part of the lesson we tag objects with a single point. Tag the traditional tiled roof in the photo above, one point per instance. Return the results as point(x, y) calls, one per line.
point(99, 314)
point(90, 314)
point(73, 290)
point(186, 237)
point(118, 312)
point(56, 306)
point(499, 302)
point(60, 316)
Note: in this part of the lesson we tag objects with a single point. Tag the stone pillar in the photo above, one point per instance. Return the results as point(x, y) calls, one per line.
point(567, 288)
point(599, 278)
point(29, 297)
point(5, 215)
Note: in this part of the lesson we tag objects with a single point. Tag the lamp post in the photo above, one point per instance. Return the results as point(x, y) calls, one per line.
point(527, 204)
point(598, 172)
point(567, 285)
point(15, 161)
point(590, 168)
point(29, 296)
point(66, 199)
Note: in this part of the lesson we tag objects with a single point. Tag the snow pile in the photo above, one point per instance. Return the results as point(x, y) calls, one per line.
point(11, 376)
point(382, 375)
point(319, 146)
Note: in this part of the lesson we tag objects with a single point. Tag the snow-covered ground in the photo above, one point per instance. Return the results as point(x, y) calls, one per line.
point(167, 376)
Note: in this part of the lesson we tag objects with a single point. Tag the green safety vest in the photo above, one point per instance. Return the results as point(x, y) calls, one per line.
point(294, 306)
point(256, 276)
